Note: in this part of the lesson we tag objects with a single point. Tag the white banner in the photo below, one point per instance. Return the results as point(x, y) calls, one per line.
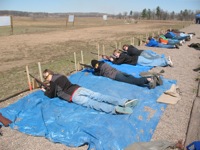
point(105, 17)
point(71, 18)
point(5, 20)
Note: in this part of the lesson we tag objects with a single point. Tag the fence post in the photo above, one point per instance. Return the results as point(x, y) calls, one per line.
point(29, 80)
point(120, 44)
point(40, 71)
point(98, 51)
point(82, 57)
point(75, 61)
point(103, 49)
point(116, 45)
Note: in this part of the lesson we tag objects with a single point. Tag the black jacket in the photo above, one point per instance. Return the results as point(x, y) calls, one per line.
point(106, 70)
point(126, 59)
point(133, 51)
point(61, 87)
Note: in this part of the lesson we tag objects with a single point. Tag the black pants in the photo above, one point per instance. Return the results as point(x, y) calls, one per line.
point(123, 77)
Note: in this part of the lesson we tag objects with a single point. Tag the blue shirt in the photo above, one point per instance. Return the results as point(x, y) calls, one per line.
point(152, 43)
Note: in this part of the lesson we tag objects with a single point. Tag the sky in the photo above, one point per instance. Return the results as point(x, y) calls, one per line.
point(101, 6)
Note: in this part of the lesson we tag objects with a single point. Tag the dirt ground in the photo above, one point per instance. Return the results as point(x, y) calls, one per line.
point(173, 123)
point(20, 50)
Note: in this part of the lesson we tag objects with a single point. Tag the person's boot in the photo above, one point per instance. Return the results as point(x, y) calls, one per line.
point(159, 81)
point(153, 82)
point(131, 103)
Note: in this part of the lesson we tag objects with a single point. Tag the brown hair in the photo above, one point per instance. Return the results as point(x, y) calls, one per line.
point(49, 71)
point(150, 37)
point(116, 51)
point(125, 45)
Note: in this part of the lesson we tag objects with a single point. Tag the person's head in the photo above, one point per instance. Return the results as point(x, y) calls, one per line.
point(125, 47)
point(47, 74)
point(150, 37)
point(168, 30)
point(116, 53)
point(148, 40)
point(95, 63)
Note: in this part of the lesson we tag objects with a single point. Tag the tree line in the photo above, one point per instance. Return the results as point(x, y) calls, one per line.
point(45, 14)
point(160, 14)
point(148, 14)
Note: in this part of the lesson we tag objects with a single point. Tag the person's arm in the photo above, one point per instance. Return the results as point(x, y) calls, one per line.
point(109, 58)
point(152, 43)
point(148, 43)
point(133, 47)
point(96, 72)
point(51, 92)
point(120, 60)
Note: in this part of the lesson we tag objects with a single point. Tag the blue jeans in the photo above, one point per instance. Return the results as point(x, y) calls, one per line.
point(149, 54)
point(184, 35)
point(173, 41)
point(165, 45)
point(181, 37)
point(97, 101)
point(162, 61)
point(123, 77)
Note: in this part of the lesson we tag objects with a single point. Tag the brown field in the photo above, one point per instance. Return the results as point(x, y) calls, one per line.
point(49, 41)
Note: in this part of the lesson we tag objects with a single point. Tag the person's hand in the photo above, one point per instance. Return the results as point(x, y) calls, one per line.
point(43, 89)
point(104, 57)
point(111, 59)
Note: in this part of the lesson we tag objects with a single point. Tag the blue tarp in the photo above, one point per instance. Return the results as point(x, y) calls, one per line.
point(75, 125)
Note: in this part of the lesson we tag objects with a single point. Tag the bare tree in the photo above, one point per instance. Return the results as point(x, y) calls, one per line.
point(136, 15)
point(172, 15)
point(119, 16)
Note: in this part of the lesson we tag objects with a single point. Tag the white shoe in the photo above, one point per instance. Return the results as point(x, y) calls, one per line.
point(181, 43)
point(131, 103)
point(170, 63)
point(190, 36)
point(123, 110)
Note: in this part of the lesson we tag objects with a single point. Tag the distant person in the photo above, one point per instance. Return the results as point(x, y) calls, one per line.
point(133, 51)
point(151, 42)
point(179, 36)
point(61, 87)
point(123, 58)
point(164, 40)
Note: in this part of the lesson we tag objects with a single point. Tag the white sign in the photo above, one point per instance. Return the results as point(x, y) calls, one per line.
point(104, 17)
point(5, 20)
point(71, 18)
